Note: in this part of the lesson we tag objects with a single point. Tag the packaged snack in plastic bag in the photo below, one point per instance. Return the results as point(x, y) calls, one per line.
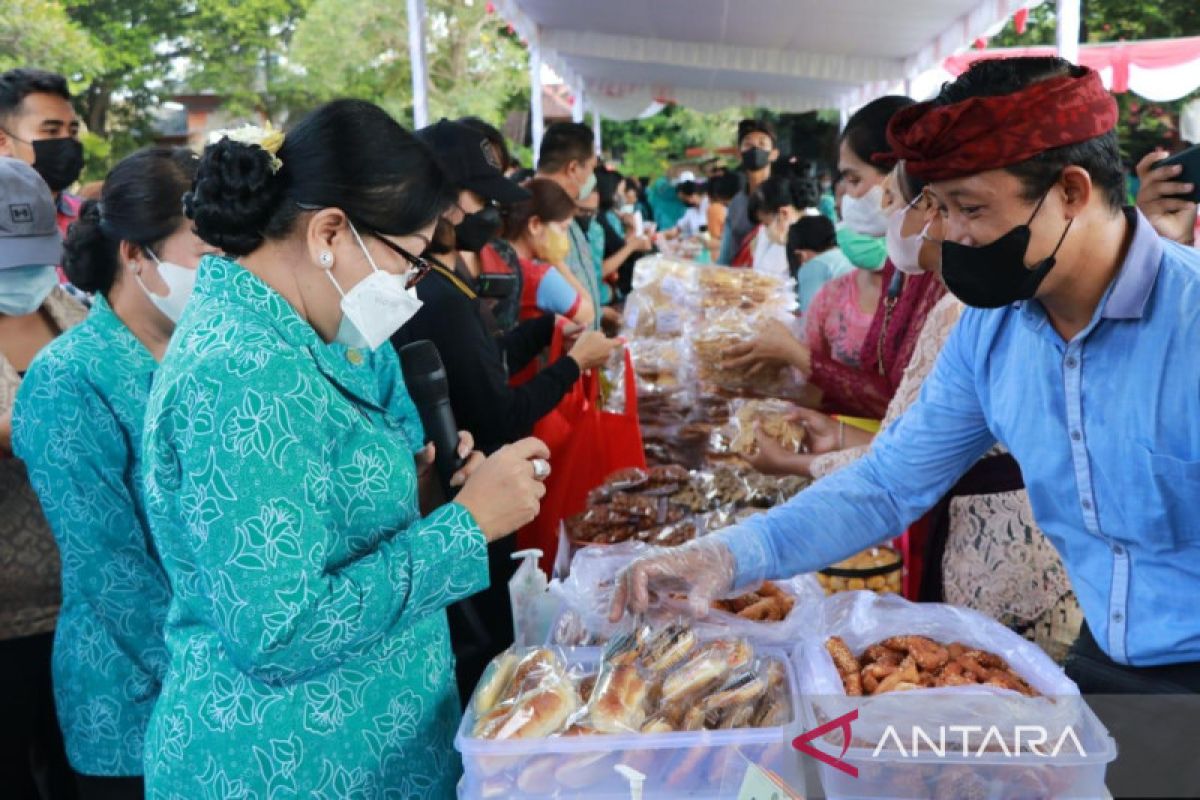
point(772, 418)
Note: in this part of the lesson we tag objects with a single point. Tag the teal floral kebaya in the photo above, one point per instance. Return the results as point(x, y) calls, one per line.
point(77, 424)
point(309, 652)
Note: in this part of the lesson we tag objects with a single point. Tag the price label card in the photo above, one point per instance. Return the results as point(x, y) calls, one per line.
point(762, 784)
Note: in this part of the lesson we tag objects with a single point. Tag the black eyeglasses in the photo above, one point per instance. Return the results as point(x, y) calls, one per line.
point(420, 267)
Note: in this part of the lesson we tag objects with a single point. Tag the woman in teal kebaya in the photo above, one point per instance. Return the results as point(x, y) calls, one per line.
point(284, 476)
point(78, 427)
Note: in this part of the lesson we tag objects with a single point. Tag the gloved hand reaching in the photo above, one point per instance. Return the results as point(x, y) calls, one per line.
point(702, 569)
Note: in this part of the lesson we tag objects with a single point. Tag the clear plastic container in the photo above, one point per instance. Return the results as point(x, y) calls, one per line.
point(684, 764)
point(951, 775)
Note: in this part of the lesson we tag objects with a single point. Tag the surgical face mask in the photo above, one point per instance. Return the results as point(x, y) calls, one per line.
point(864, 252)
point(375, 307)
point(477, 229)
point(628, 208)
point(179, 280)
point(865, 214)
point(588, 187)
point(24, 289)
point(58, 161)
point(554, 247)
point(755, 158)
point(904, 250)
point(994, 275)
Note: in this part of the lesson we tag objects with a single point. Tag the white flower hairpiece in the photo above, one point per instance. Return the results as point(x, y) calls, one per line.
point(267, 138)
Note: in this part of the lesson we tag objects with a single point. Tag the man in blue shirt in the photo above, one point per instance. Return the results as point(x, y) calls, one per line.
point(1080, 357)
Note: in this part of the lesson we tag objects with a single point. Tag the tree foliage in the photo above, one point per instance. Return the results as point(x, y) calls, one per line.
point(39, 33)
point(1143, 125)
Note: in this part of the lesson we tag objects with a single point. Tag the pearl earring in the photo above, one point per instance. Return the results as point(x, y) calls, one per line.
point(325, 259)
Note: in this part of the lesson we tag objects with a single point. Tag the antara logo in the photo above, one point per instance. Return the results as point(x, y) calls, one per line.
point(1025, 740)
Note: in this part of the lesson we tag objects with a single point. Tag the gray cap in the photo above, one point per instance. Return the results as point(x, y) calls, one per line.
point(28, 217)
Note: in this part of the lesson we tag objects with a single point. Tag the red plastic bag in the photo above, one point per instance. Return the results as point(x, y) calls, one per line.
point(587, 444)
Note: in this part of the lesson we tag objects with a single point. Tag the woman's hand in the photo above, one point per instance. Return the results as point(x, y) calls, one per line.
point(504, 492)
point(1173, 218)
point(592, 349)
point(774, 346)
point(823, 432)
point(771, 458)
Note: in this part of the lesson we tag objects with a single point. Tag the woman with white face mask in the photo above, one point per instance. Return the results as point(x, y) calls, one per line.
point(897, 304)
point(77, 424)
point(285, 478)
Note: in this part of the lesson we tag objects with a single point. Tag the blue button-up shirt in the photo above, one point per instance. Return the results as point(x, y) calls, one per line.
point(1106, 428)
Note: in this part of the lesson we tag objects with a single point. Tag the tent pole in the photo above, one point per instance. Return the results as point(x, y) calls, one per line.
point(596, 128)
point(577, 106)
point(537, 120)
point(1067, 29)
point(416, 55)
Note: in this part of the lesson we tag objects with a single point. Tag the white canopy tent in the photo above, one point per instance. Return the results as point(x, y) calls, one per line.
point(625, 56)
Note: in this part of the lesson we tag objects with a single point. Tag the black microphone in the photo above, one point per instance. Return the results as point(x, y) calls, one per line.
point(425, 378)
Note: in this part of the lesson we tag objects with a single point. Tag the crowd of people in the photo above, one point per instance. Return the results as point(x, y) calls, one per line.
point(230, 564)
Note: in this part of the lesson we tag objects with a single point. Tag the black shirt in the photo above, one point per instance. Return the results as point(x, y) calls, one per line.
point(478, 366)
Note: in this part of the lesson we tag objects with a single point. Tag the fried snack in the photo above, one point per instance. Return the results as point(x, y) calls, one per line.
point(928, 654)
point(868, 562)
point(532, 669)
point(847, 665)
point(768, 604)
point(903, 675)
point(495, 682)
point(901, 663)
point(618, 703)
point(771, 417)
point(587, 685)
point(668, 647)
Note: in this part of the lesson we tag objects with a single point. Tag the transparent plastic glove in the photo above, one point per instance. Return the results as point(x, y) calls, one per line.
point(702, 569)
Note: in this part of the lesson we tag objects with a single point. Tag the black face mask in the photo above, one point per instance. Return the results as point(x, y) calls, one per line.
point(994, 275)
point(477, 229)
point(58, 161)
point(755, 159)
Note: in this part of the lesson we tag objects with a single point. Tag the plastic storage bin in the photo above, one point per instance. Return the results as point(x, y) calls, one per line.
point(953, 776)
point(700, 764)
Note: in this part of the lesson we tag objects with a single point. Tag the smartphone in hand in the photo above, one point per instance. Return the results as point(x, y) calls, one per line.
point(1190, 159)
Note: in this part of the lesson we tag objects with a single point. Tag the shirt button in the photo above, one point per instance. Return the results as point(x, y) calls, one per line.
point(354, 356)
point(1072, 362)
point(1118, 550)
point(1076, 436)
point(1118, 617)
point(1087, 504)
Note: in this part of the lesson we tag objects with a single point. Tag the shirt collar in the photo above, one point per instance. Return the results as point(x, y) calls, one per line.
point(353, 370)
point(1126, 296)
point(1131, 289)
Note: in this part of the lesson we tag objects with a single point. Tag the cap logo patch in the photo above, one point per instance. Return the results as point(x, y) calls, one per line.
point(21, 213)
point(489, 155)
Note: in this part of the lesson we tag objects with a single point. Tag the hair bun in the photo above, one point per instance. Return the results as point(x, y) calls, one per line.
point(89, 257)
point(234, 196)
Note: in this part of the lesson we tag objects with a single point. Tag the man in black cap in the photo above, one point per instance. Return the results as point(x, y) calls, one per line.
point(478, 364)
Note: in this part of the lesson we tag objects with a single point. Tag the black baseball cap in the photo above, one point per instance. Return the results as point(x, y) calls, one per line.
point(466, 156)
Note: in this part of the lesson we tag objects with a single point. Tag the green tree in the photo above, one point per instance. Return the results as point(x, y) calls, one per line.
point(148, 50)
point(38, 33)
point(648, 146)
point(359, 48)
point(1143, 124)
